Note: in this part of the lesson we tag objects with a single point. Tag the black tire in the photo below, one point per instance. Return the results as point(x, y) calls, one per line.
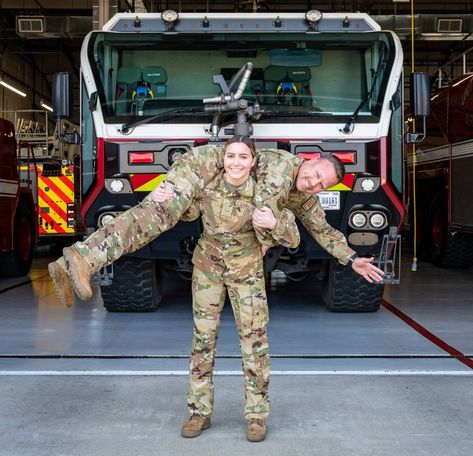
point(346, 291)
point(447, 249)
point(137, 286)
point(17, 262)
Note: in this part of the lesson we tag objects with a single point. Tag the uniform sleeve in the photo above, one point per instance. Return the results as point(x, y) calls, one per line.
point(274, 180)
point(192, 213)
point(286, 232)
point(310, 212)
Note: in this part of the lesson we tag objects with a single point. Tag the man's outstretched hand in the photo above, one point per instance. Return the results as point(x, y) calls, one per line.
point(366, 269)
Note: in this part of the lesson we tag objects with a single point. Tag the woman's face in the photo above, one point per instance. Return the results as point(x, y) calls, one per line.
point(237, 162)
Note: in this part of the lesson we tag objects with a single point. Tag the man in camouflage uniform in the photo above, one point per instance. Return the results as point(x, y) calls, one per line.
point(283, 180)
point(228, 257)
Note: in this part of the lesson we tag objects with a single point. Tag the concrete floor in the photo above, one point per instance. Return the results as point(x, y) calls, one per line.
point(82, 381)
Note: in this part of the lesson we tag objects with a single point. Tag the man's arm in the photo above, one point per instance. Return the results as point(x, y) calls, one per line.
point(282, 230)
point(310, 212)
point(274, 180)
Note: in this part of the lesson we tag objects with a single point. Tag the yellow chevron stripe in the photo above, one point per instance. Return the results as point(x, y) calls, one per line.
point(340, 187)
point(152, 184)
point(57, 218)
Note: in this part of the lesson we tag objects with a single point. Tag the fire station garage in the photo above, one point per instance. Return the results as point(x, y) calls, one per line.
point(328, 246)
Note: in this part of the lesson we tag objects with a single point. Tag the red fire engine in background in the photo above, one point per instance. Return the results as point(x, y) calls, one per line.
point(444, 170)
point(18, 233)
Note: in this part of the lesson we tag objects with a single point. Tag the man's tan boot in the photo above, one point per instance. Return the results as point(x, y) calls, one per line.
point(256, 431)
point(195, 425)
point(79, 271)
point(62, 283)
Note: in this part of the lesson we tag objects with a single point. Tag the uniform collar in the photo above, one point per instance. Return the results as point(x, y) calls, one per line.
point(246, 189)
point(295, 170)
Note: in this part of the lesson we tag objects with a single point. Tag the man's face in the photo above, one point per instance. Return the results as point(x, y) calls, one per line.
point(316, 176)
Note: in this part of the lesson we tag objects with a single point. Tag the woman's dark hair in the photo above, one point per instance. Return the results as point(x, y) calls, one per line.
point(248, 142)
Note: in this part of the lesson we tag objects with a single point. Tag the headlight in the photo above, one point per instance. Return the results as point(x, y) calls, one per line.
point(378, 220)
point(169, 16)
point(176, 154)
point(358, 220)
point(367, 185)
point(105, 218)
point(313, 16)
point(117, 185)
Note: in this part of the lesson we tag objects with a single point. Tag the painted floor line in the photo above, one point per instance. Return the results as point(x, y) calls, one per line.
point(399, 372)
point(4, 290)
point(408, 356)
point(429, 335)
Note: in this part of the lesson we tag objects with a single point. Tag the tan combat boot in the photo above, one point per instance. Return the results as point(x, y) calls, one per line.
point(256, 431)
point(79, 271)
point(62, 284)
point(195, 425)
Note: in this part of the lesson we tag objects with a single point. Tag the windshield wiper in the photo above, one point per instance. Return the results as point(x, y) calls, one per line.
point(350, 125)
point(169, 114)
point(269, 114)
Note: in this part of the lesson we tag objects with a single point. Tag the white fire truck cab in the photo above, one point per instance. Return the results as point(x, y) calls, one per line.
point(320, 84)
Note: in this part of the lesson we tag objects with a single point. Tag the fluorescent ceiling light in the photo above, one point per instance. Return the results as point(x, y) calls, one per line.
point(13, 89)
point(45, 106)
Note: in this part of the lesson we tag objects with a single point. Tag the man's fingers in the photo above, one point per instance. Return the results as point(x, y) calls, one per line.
point(376, 277)
point(377, 270)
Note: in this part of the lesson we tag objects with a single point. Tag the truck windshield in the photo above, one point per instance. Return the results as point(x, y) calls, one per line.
point(297, 78)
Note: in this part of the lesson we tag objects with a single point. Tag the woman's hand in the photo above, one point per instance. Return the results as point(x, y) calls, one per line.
point(264, 249)
point(264, 218)
point(163, 192)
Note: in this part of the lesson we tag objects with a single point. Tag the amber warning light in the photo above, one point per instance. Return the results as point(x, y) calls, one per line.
point(135, 158)
point(345, 157)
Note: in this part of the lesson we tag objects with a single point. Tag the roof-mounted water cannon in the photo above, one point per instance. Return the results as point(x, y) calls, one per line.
point(420, 104)
point(229, 102)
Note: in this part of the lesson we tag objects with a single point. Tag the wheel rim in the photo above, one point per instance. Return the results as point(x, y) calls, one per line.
point(24, 238)
point(437, 231)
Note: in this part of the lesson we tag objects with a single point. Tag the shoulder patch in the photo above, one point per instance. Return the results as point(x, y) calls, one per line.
point(309, 204)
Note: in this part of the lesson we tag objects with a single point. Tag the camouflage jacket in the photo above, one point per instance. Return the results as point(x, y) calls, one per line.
point(227, 212)
point(229, 239)
point(276, 172)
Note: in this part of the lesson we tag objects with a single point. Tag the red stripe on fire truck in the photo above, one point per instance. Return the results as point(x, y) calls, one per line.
point(146, 182)
point(346, 184)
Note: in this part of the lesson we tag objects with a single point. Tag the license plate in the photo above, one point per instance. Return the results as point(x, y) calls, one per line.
point(330, 200)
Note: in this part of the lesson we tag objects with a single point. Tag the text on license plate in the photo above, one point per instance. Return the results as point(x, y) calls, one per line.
point(330, 200)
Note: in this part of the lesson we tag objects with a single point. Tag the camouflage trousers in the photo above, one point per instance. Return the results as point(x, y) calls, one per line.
point(251, 315)
point(144, 222)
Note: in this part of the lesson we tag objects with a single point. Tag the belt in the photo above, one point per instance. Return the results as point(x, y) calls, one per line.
point(229, 238)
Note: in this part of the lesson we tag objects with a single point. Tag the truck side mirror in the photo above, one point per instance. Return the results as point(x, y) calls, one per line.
point(420, 94)
point(419, 103)
point(62, 95)
point(62, 106)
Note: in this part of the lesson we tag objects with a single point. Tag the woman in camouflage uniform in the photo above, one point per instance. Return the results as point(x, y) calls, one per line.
point(229, 256)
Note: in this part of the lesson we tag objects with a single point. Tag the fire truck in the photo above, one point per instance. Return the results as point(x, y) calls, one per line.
point(18, 233)
point(319, 84)
point(53, 172)
point(444, 163)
